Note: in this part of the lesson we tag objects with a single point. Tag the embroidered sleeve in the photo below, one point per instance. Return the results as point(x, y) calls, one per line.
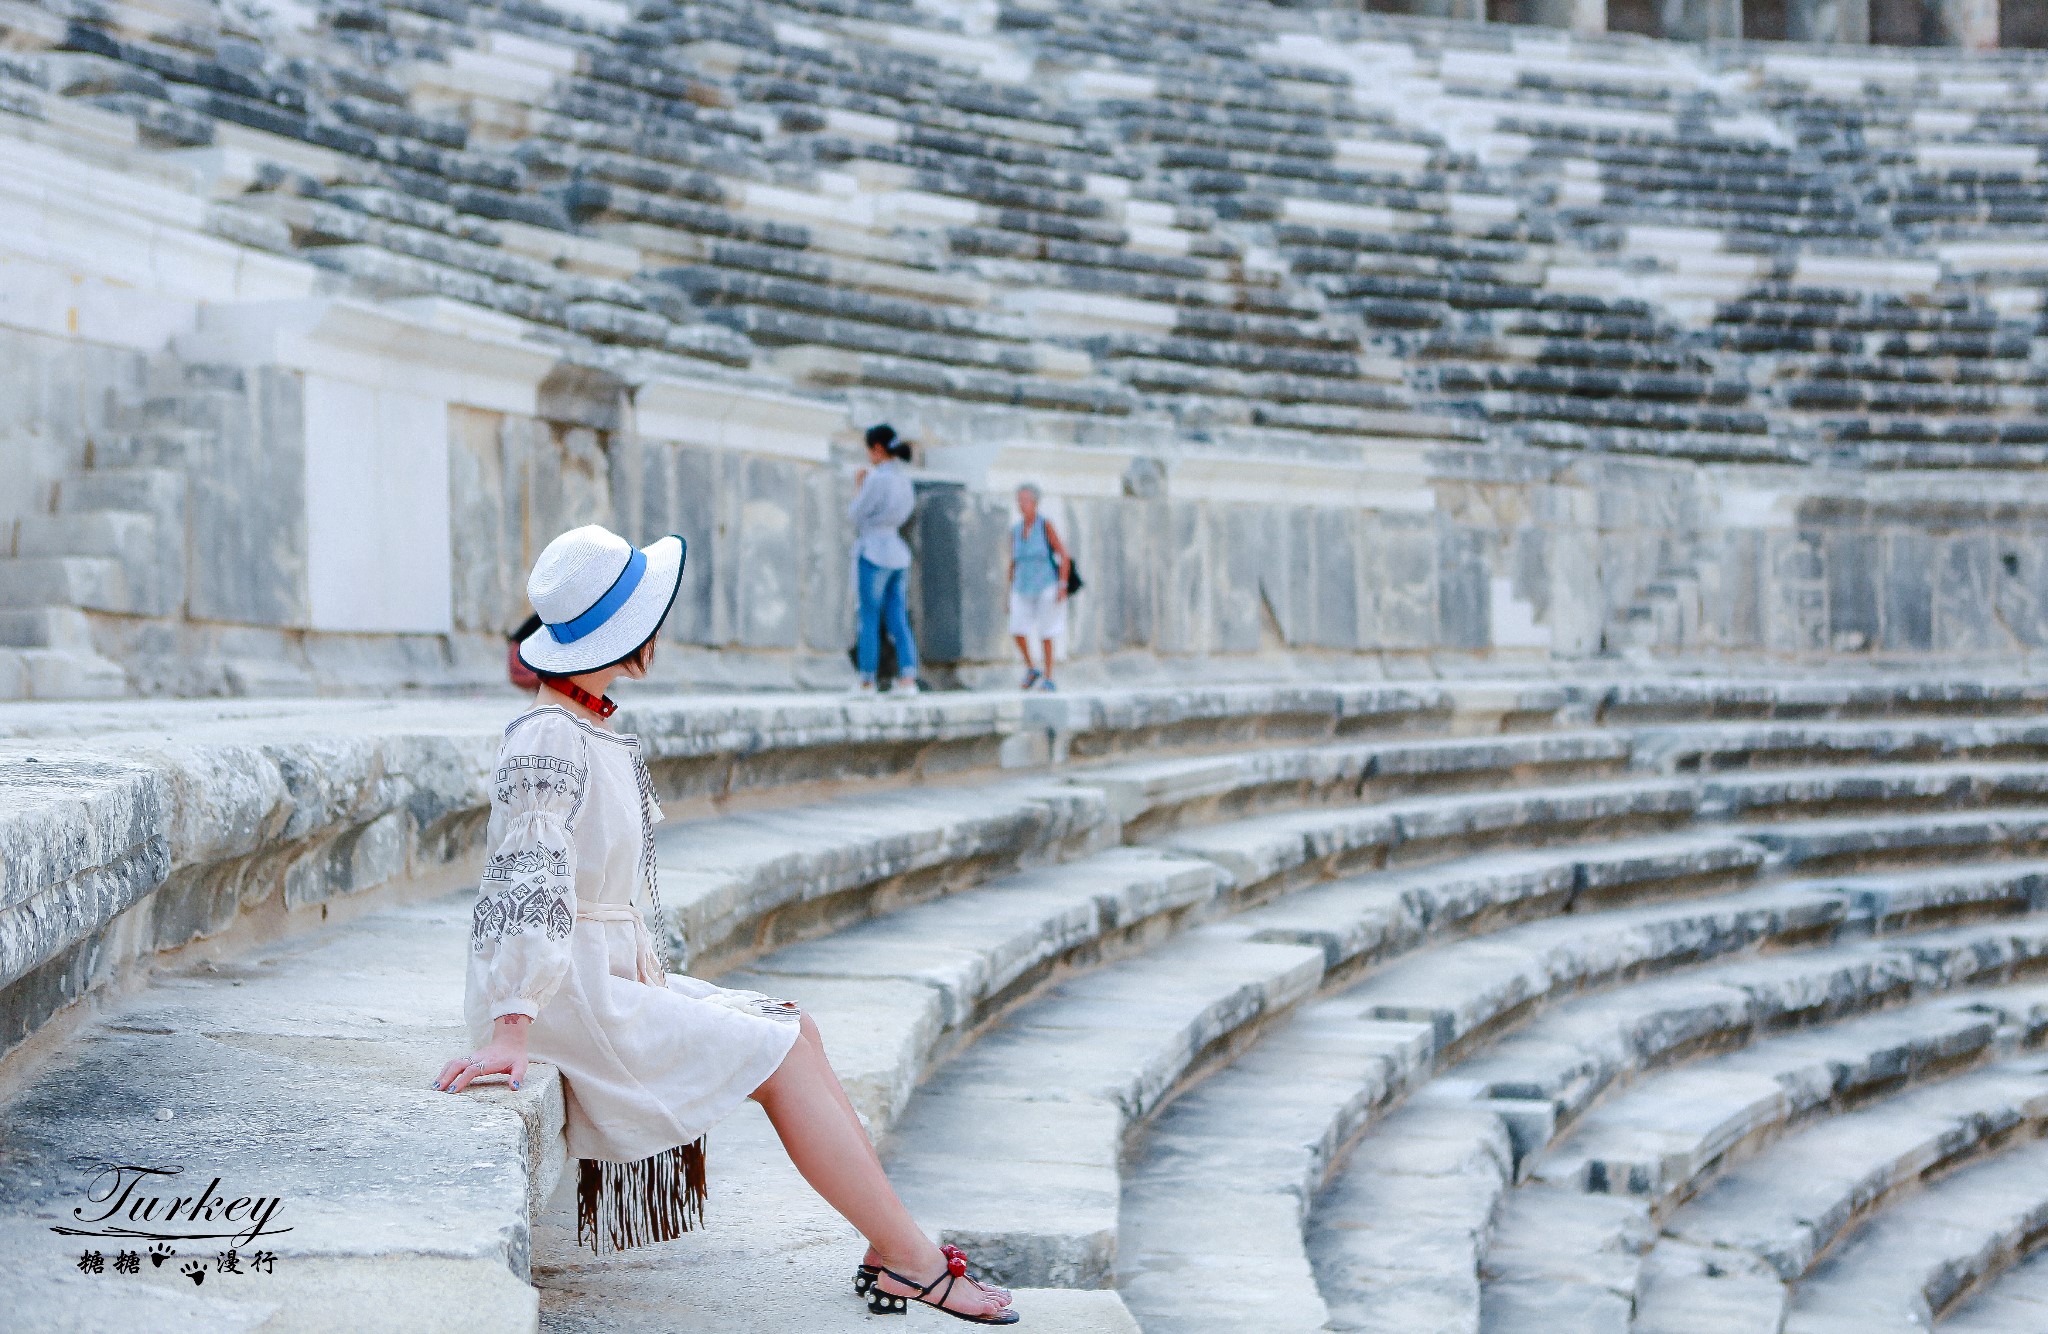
point(526, 904)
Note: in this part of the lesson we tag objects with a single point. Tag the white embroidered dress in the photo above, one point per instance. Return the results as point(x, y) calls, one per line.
point(650, 1060)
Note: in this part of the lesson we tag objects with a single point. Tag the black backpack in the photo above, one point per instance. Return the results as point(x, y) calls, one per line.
point(1074, 584)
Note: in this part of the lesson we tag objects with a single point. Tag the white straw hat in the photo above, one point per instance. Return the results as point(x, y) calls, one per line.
point(598, 598)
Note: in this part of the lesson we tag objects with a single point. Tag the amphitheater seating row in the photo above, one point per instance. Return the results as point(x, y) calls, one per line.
point(1421, 945)
point(1218, 223)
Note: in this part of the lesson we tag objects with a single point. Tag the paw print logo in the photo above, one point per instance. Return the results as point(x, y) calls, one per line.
point(194, 1271)
point(158, 1254)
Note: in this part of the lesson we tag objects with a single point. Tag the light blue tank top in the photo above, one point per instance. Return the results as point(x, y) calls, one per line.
point(1033, 554)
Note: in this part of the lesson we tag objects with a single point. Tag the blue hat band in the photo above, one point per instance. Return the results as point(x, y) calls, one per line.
point(568, 632)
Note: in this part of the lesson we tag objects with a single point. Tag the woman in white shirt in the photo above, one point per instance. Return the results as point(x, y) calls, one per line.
point(881, 565)
point(562, 967)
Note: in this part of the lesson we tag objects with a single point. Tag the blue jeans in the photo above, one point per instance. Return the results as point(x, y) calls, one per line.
point(881, 603)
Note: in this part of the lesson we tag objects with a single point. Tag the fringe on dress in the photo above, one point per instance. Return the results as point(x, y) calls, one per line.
point(637, 1204)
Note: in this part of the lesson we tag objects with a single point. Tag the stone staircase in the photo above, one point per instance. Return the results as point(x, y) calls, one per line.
point(1667, 612)
point(84, 578)
point(1486, 1005)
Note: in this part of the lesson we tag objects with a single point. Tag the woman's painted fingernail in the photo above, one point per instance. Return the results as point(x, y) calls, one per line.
point(515, 1083)
point(437, 1086)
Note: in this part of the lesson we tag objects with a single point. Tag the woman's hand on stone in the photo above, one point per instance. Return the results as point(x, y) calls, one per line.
point(506, 1055)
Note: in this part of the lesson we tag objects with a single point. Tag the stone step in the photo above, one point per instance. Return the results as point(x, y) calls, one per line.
point(1640, 1154)
point(1466, 988)
point(1210, 1228)
point(1507, 1102)
point(1923, 897)
point(895, 993)
point(1271, 852)
point(1229, 1167)
point(297, 1072)
point(1784, 794)
point(1929, 1219)
point(844, 366)
point(158, 492)
point(1565, 1060)
point(121, 535)
point(772, 1259)
point(1716, 747)
point(59, 673)
point(1399, 1234)
point(2016, 1299)
point(1850, 843)
point(149, 554)
point(1282, 1130)
point(1042, 1101)
point(739, 884)
point(1158, 794)
point(1256, 392)
point(1380, 914)
point(94, 583)
point(64, 628)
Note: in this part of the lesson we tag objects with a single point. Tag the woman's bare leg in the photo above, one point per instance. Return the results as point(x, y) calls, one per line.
point(812, 1115)
point(1024, 647)
point(1048, 659)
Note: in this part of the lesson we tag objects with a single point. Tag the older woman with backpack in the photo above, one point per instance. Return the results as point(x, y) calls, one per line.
point(1041, 574)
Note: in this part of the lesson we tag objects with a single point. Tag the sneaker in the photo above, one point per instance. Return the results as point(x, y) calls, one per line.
point(906, 686)
point(1031, 678)
point(1047, 684)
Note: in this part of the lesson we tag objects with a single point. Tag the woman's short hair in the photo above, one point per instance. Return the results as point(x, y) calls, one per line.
point(1030, 489)
point(619, 661)
point(881, 435)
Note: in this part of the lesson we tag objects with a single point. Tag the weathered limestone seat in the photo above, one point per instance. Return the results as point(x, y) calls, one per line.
point(902, 990)
point(1066, 1231)
point(1636, 1025)
point(2015, 1299)
point(737, 883)
point(1150, 951)
point(1421, 1013)
point(302, 1070)
point(1160, 1284)
point(1897, 1269)
point(1594, 1199)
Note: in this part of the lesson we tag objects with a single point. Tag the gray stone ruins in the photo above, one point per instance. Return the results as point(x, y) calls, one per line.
point(1545, 827)
point(1343, 343)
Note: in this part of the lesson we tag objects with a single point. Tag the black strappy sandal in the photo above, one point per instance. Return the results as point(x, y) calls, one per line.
point(864, 1276)
point(888, 1303)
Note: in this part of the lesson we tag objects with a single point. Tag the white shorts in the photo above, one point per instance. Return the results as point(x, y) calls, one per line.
point(1041, 615)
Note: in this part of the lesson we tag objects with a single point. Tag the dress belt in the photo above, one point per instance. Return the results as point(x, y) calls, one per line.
point(647, 962)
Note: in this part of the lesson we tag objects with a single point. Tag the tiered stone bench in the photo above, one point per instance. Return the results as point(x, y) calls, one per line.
point(1368, 246)
point(1569, 1237)
point(304, 779)
point(1924, 1236)
point(1193, 1199)
point(986, 948)
point(2015, 1299)
point(1287, 226)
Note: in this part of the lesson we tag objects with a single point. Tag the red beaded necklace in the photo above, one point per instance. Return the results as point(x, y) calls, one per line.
point(601, 705)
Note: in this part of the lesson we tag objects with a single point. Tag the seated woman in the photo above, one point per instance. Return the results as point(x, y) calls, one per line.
point(563, 967)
